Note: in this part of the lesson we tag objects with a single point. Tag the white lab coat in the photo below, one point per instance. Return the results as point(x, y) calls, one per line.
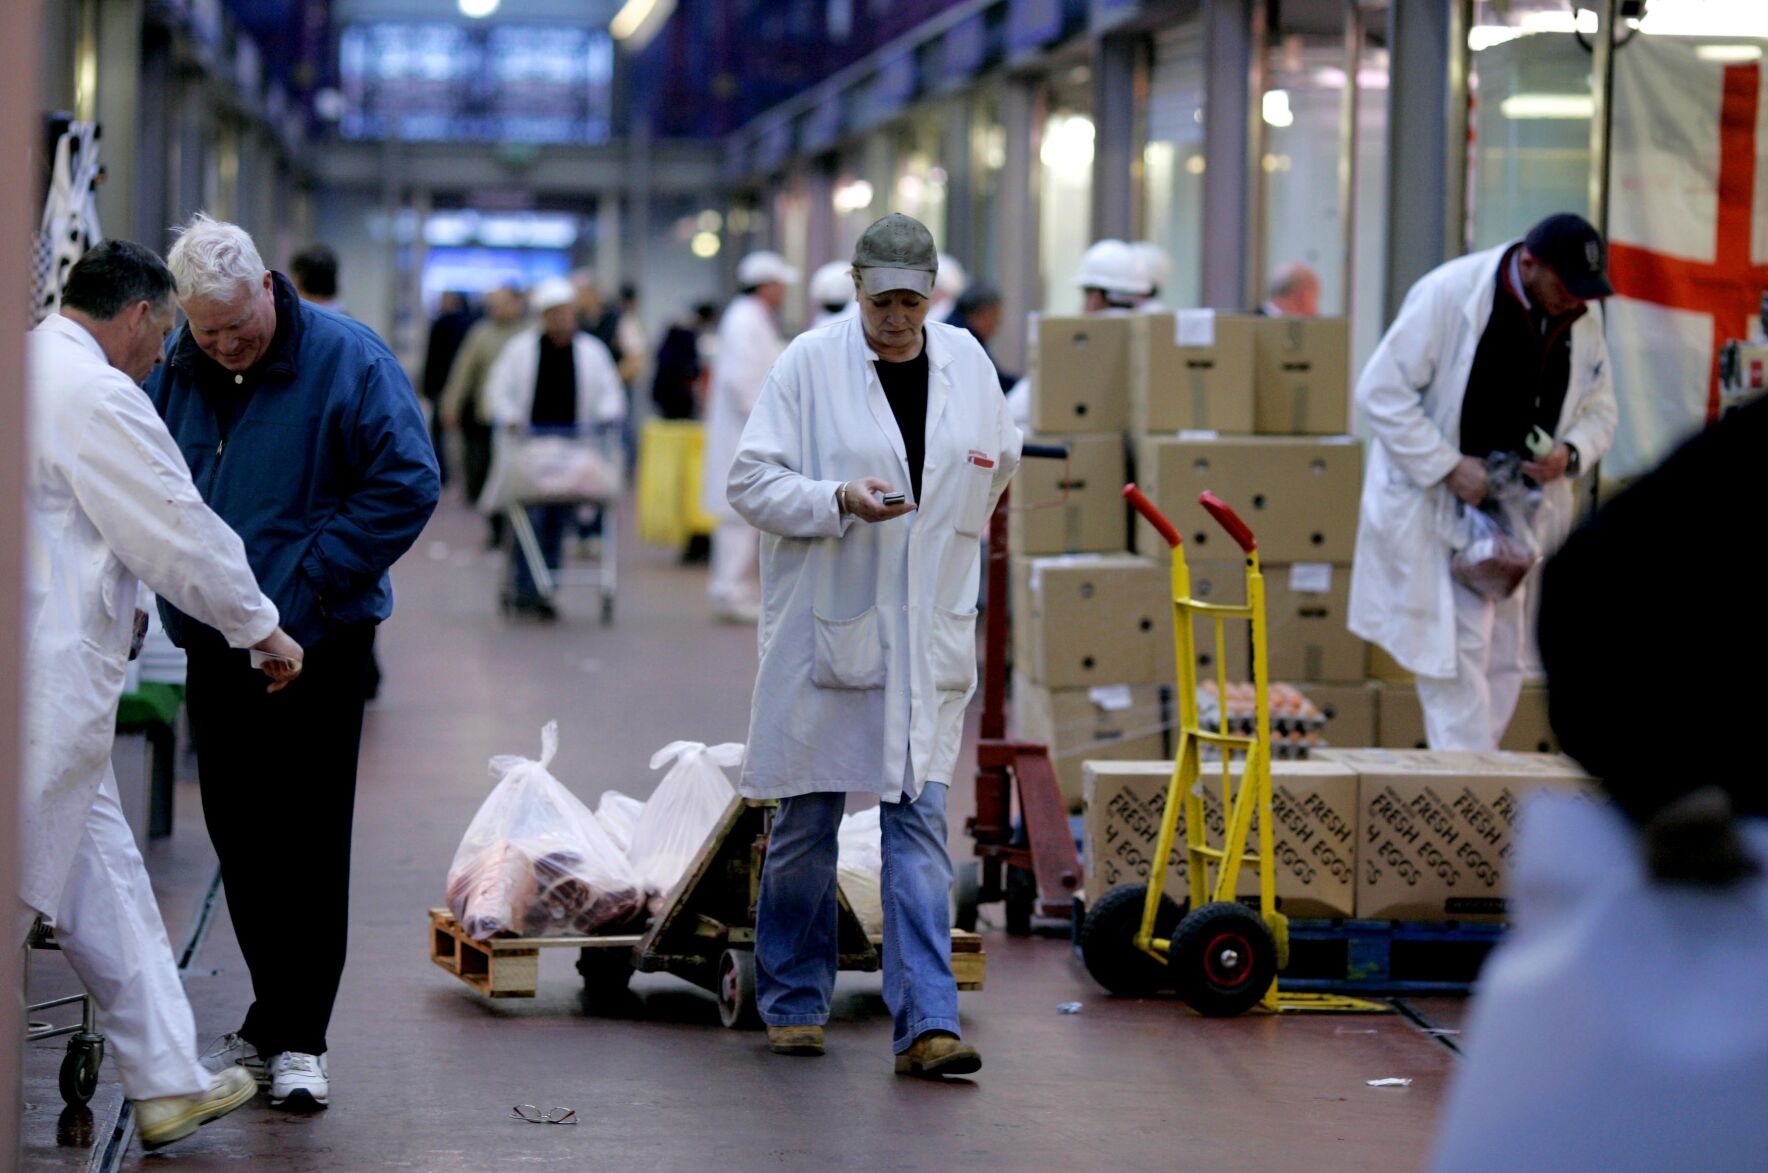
point(1402, 594)
point(509, 387)
point(109, 503)
point(749, 343)
point(868, 632)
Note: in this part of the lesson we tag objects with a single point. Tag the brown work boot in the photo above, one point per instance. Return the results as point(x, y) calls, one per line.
point(795, 1040)
point(939, 1053)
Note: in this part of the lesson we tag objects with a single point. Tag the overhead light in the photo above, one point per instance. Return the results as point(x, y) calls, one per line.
point(1544, 106)
point(1560, 21)
point(855, 195)
point(704, 245)
point(1276, 108)
point(1483, 36)
point(638, 21)
point(478, 9)
point(1705, 18)
point(1729, 54)
point(1068, 144)
point(709, 220)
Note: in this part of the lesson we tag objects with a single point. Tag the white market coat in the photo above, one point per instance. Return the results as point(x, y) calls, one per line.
point(509, 386)
point(1402, 593)
point(868, 632)
point(108, 503)
point(749, 343)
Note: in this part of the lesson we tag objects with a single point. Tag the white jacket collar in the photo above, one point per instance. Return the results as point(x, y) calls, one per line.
point(939, 351)
point(72, 330)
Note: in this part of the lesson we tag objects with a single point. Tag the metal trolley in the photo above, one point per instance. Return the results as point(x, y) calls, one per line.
point(1220, 955)
point(79, 1067)
point(519, 490)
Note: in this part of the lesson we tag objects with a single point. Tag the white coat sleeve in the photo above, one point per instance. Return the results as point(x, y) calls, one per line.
point(1012, 444)
point(1592, 430)
point(765, 487)
point(132, 483)
point(747, 357)
point(610, 393)
point(1391, 389)
point(503, 386)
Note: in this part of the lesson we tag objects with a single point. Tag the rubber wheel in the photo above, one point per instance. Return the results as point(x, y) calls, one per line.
point(736, 990)
point(606, 975)
point(1107, 941)
point(1021, 901)
point(79, 1070)
point(1223, 959)
point(966, 895)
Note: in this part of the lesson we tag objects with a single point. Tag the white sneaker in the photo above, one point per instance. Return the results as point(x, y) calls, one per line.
point(231, 1050)
point(298, 1081)
point(168, 1118)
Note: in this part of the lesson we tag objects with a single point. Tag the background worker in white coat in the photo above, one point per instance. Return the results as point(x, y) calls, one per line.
point(1491, 353)
point(110, 504)
point(831, 288)
point(1112, 277)
point(868, 633)
point(749, 341)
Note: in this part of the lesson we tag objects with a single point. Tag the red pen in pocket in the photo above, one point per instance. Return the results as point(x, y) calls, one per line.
point(980, 459)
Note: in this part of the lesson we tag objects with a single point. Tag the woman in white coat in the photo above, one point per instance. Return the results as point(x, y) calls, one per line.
point(110, 504)
point(749, 342)
point(871, 463)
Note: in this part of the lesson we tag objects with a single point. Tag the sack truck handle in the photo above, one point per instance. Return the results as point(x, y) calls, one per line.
point(1155, 517)
point(1048, 451)
point(1229, 520)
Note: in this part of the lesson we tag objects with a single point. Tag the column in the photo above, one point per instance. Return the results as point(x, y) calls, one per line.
point(119, 83)
point(1018, 218)
point(607, 242)
point(1114, 136)
point(956, 159)
point(1230, 153)
point(1426, 141)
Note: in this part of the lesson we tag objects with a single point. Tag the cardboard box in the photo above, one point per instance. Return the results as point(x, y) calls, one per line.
point(1062, 507)
point(1350, 711)
point(1116, 722)
point(1079, 370)
point(1315, 839)
point(1437, 829)
point(1086, 619)
point(1384, 667)
point(1300, 495)
point(1401, 722)
point(1530, 731)
point(1302, 376)
point(1306, 605)
point(1208, 384)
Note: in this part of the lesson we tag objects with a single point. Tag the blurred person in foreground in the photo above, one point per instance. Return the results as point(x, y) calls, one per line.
point(307, 439)
point(1619, 1025)
point(454, 317)
point(868, 634)
point(109, 504)
point(465, 404)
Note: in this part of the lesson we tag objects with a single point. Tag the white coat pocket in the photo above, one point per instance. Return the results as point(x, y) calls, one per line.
point(849, 652)
point(954, 650)
point(973, 509)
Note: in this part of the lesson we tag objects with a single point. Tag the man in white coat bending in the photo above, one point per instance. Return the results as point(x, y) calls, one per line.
point(1494, 353)
point(110, 503)
point(749, 342)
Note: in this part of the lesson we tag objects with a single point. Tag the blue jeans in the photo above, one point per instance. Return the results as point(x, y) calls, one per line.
point(795, 939)
point(549, 522)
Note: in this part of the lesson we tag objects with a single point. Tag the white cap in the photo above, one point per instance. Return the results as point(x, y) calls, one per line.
point(551, 294)
point(1156, 261)
point(951, 278)
point(1112, 265)
point(832, 284)
point(760, 268)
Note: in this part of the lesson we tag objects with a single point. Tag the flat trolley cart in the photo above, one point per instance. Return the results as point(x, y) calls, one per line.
point(705, 936)
point(1221, 956)
point(575, 469)
point(79, 1067)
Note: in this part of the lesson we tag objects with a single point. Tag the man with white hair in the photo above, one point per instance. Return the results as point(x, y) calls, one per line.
point(1295, 292)
point(304, 435)
point(749, 342)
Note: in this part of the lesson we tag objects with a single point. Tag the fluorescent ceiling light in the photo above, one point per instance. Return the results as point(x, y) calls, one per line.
point(1275, 108)
point(1483, 36)
point(1729, 54)
point(1705, 18)
point(1068, 144)
point(1559, 21)
point(638, 21)
point(478, 9)
point(1563, 106)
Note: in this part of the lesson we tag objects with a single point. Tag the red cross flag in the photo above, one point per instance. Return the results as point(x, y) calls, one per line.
point(1688, 227)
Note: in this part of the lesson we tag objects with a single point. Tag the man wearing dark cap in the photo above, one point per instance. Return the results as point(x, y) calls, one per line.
point(1494, 363)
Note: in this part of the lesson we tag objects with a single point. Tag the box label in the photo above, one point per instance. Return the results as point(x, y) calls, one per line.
point(1314, 578)
point(1194, 328)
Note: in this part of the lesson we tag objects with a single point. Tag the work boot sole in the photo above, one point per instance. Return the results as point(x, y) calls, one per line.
point(805, 1049)
point(179, 1127)
point(300, 1100)
point(957, 1063)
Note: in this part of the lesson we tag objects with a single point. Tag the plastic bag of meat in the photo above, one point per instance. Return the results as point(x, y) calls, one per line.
point(859, 866)
point(618, 814)
point(685, 809)
point(535, 862)
point(1495, 544)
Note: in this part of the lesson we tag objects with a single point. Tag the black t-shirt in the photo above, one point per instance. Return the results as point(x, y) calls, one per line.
point(905, 386)
point(555, 386)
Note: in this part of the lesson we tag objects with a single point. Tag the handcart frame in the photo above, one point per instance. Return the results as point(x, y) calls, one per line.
point(85, 1053)
point(603, 576)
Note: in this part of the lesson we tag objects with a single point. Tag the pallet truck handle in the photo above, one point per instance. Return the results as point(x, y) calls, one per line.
point(1048, 451)
point(1155, 517)
point(1229, 520)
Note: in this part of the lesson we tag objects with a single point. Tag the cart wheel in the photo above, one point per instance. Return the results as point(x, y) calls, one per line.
point(966, 895)
point(79, 1069)
point(607, 610)
point(1223, 959)
point(1108, 941)
point(606, 975)
point(1021, 901)
point(736, 990)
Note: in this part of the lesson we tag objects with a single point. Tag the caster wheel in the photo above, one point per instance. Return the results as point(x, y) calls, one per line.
point(1223, 959)
point(606, 975)
point(736, 990)
point(966, 895)
point(1021, 901)
point(79, 1069)
point(1107, 941)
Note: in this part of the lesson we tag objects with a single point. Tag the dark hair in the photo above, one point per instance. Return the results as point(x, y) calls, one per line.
point(112, 276)
point(706, 311)
point(977, 295)
point(315, 269)
point(629, 292)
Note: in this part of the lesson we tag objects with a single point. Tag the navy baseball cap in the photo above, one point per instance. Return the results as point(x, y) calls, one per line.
point(1570, 246)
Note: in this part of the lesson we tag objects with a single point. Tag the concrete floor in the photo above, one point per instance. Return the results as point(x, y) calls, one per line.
point(425, 1072)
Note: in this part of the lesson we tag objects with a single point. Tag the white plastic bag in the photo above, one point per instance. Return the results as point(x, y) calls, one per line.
point(533, 470)
point(534, 862)
point(859, 866)
point(686, 808)
point(618, 814)
point(1494, 544)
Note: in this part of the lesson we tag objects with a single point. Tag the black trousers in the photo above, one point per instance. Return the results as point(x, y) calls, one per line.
point(278, 778)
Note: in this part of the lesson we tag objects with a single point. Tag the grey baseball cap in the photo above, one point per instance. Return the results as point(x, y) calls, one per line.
point(896, 252)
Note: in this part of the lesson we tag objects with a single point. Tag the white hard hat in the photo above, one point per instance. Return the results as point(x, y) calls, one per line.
point(1111, 265)
point(951, 278)
point(551, 294)
point(1156, 261)
point(832, 284)
point(762, 267)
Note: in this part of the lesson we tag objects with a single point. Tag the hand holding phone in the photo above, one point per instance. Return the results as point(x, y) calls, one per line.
point(893, 498)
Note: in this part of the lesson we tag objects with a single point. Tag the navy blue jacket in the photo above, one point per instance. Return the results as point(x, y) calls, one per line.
point(320, 461)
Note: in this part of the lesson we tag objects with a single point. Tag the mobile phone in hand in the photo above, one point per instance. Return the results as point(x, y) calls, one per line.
point(893, 499)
